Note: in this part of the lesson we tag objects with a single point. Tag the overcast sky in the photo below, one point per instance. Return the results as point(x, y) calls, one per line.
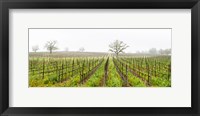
point(98, 40)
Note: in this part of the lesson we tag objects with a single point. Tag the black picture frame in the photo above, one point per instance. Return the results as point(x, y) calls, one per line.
point(5, 5)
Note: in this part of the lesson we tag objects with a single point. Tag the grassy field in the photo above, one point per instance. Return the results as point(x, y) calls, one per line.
point(91, 69)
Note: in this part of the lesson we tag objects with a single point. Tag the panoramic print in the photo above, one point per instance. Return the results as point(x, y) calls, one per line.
point(99, 57)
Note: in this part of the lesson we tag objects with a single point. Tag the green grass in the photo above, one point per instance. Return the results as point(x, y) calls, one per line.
point(114, 80)
point(95, 79)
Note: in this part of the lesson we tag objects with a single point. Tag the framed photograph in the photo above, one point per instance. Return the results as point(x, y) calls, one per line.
point(99, 57)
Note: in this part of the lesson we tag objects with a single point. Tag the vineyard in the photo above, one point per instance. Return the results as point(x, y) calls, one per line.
point(100, 71)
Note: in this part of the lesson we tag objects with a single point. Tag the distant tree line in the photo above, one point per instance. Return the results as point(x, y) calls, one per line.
point(51, 46)
point(116, 47)
point(155, 51)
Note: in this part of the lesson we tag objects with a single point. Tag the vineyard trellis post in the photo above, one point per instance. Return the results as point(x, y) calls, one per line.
point(155, 69)
point(169, 70)
point(82, 74)
point(62, 72)
point(72, 68)
point(106, 72)
point(57, 70)
point(126, 75)
point(147, 65)
point(43, 67)
point(59, 74)
point(138, 68)
point(80, 71)
point(66, 70)
point(89, 66)
point(33, 69)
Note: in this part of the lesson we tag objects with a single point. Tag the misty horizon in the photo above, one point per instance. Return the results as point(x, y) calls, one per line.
point(98, 40)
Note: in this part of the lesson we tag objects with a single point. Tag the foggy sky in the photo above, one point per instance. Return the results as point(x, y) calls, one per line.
point(98, 40)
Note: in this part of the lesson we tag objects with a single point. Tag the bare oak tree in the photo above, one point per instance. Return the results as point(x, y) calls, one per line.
point(168, 51)
point(165, 51)
point(153, 51)
point(51, 45)
point(82, 49)
point(35, 48)
point(161, 51)
point(118, 47)
point(66, 49)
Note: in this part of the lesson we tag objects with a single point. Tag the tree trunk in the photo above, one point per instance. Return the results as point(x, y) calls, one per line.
point(50, 51)
point(117, 54)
